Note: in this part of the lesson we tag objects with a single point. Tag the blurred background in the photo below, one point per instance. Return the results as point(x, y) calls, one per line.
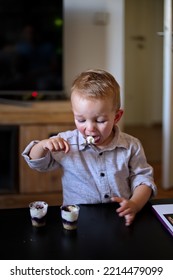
point(124, 37)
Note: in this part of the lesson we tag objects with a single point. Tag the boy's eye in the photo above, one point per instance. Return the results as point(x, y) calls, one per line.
point(81, 121)
point(100, 121)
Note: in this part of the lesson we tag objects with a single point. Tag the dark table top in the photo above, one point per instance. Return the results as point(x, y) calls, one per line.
point(101, 234)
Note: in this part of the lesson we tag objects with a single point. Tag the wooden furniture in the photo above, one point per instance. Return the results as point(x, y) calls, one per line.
point(36, 121)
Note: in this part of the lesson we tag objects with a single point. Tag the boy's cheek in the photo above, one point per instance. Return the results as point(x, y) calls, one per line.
point(80, 128)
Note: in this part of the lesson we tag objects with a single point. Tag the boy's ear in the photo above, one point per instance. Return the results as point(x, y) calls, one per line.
point(118, 115)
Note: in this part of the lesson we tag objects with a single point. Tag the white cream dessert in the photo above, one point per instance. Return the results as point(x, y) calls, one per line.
point(90, 140)
point(69, 214)
point(38, 212)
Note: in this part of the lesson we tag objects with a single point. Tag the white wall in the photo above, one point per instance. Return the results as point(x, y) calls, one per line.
point(91, 41)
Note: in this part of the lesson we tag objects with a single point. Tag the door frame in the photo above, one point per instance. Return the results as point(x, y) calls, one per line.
point(167, 157)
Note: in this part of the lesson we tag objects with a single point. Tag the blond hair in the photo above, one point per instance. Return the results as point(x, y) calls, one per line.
point(96, 83)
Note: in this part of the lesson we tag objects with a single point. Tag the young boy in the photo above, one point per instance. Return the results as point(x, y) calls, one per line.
point(114, 168)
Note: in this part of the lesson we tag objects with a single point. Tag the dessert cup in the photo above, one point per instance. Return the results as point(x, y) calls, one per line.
point(38, 212)
point(70, 214)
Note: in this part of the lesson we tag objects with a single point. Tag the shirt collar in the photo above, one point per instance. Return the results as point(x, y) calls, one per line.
point(82, 142)
point(117, 141)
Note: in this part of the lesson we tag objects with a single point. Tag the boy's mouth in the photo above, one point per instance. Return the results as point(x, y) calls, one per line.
point(92, 139)
point(96, 139)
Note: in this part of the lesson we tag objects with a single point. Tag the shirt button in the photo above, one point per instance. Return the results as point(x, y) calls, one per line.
point(102, 174)
point(106, 196)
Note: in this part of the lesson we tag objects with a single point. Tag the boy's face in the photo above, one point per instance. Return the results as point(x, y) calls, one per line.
point(95, 117)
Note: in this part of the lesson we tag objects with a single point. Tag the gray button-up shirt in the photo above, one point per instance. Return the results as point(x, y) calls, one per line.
point(92, 175)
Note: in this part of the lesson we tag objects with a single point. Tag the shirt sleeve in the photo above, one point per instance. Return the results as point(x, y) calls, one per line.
point(43, 164)
point(140, 171)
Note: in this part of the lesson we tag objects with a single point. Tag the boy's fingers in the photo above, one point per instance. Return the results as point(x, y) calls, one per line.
point(117, 199)
point(67, 147)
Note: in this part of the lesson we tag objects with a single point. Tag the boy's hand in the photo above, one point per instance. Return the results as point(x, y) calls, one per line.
point(55, 144)
point(127, 209)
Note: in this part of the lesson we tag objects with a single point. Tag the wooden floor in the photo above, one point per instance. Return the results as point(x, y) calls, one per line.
point(151, 139)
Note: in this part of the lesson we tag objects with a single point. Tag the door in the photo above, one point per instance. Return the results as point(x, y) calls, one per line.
point(143, 62)
point(148, 72)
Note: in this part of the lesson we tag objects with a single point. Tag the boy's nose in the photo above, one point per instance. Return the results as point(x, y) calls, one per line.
point(90, 126)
